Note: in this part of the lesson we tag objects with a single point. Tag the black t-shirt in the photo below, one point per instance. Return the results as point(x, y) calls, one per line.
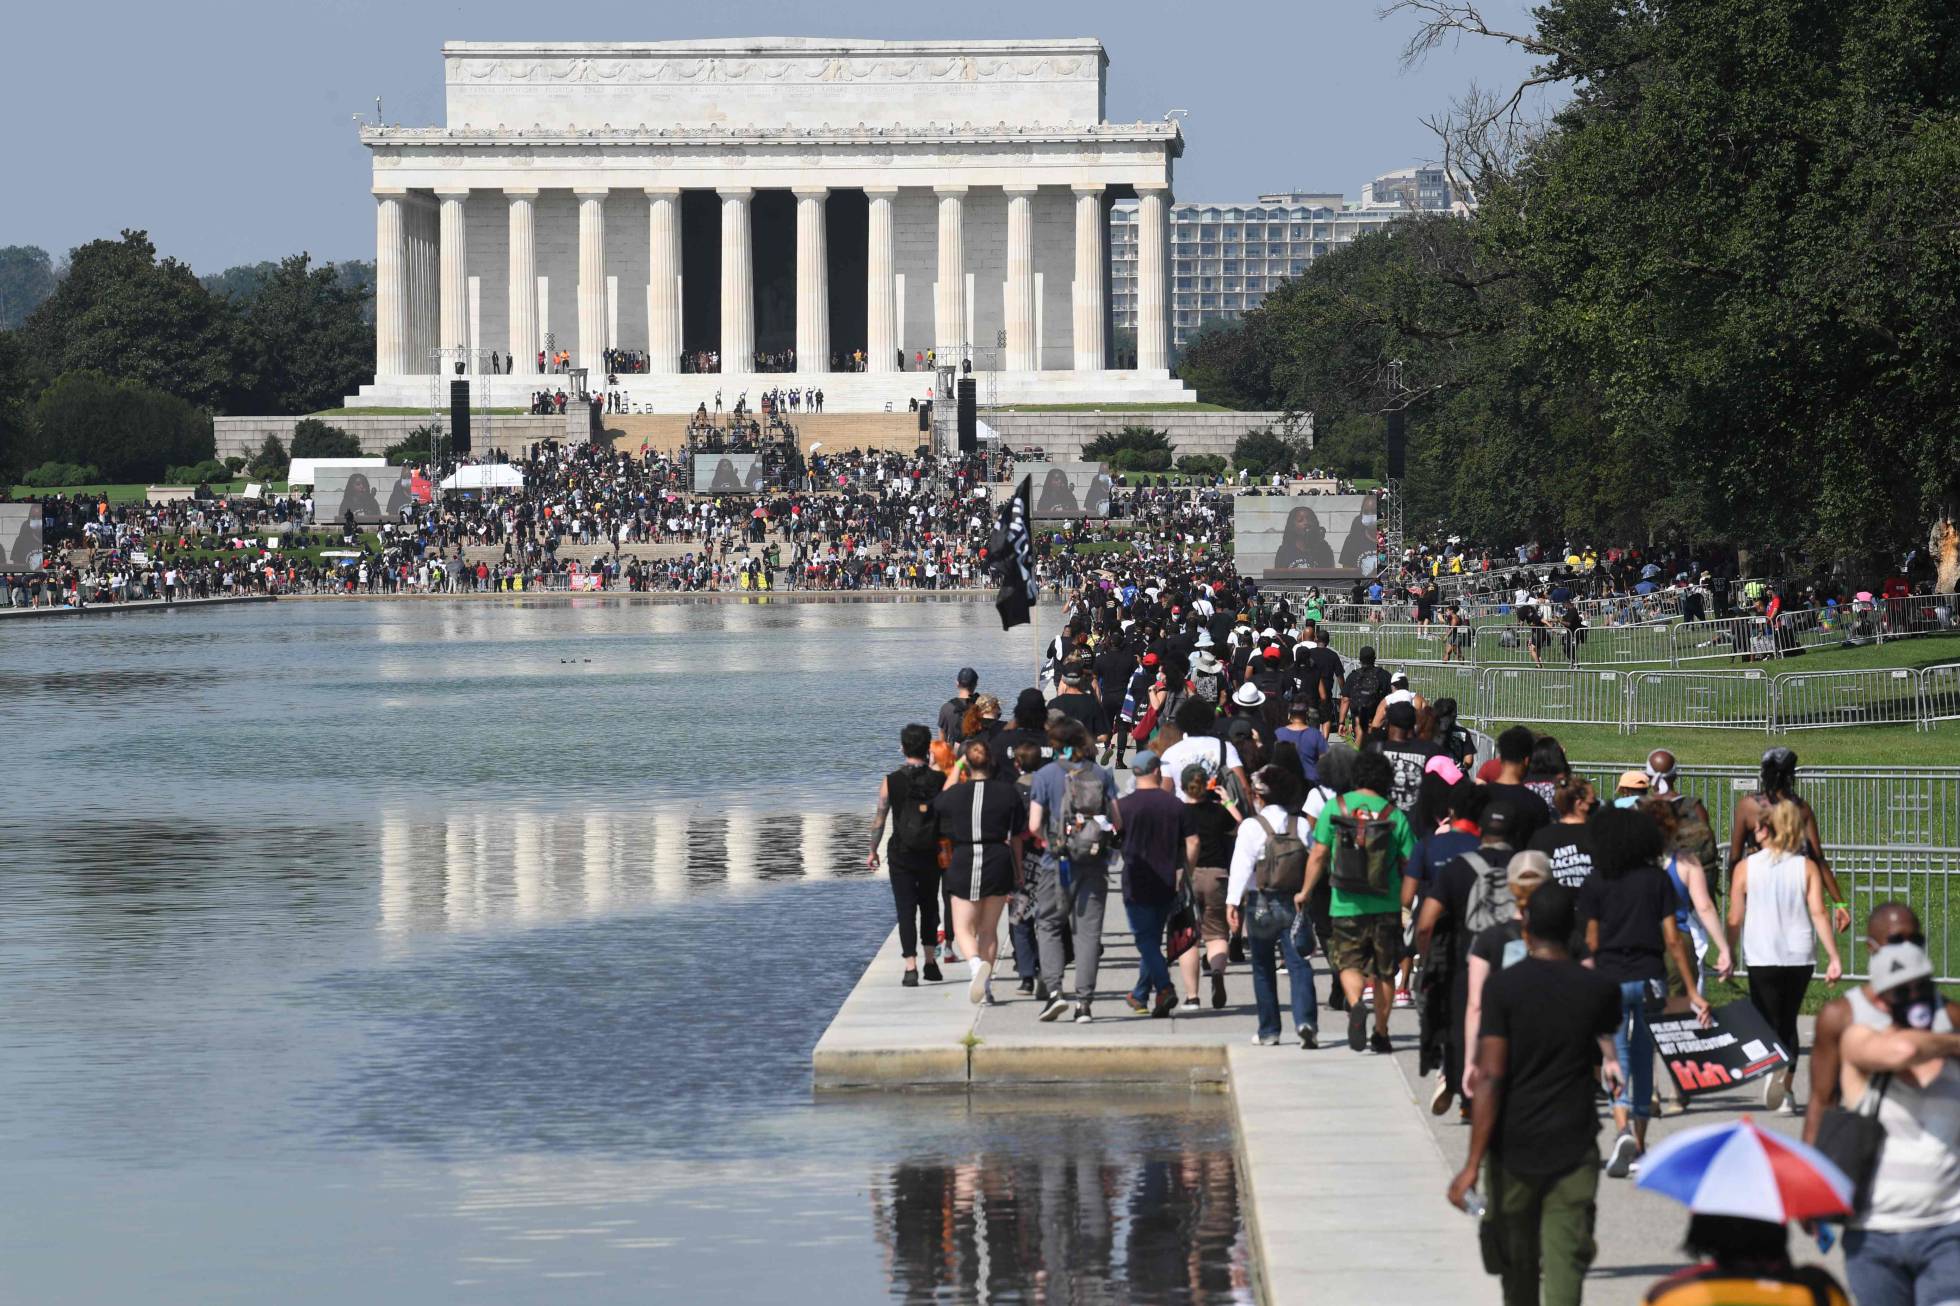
point(1570, 849)
point(1114, 667)
point(1084, 708)
point(1408, 758)
point(1003, 813)
point(1216, 831)
point(1533, 815)
point(1451, 887)
point(1003, 743)
point(1500, 947)
point(1629, 908)
point(1551, 1014)
point(950, 717)
point(1327, 667)
point(1154, 828)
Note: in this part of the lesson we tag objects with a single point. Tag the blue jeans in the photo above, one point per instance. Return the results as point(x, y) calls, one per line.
point(1903, 1269)
point(1027, 956)
point(1147, 922)
point(1633, 1044)
point(1264, 954)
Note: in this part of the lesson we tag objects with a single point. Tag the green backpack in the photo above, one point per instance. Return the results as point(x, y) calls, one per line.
point(1366, 859)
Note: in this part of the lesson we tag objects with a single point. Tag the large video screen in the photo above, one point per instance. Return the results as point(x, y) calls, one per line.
point(20, 537)
point(1064, 490)
point(373, 494)
point(1304, 537)
point(728, 473)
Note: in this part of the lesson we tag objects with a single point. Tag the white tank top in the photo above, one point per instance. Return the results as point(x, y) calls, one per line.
point(1776, 928)
point(1917, 1185)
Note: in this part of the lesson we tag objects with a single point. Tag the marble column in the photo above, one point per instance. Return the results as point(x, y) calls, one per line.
point(1023, 350)
point(1090, 234)
point(592, 286)
point(812, 282)
point(663, 281)
point(415, 214)
point(737, 283)
point(390, 285)
point(454, 291)
point(881, 309)
point(949, 327)
point(1153, 279)
point(523, 294)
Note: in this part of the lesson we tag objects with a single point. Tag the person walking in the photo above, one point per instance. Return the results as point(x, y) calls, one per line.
point(1776, 902)
point(1546, 1021)
point(986, 821)
point(1072, 806)
point(1215, 821)
point(1900, 1049)
point(1265, 896)
point(1155, 824)
point(906, 795)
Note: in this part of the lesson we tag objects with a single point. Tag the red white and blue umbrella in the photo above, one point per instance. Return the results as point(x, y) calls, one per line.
point(1738, 1169)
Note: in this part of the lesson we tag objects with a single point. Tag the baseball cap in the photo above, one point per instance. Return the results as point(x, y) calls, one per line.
point(1272, 652)
point(1899, 963)
point(1144, 762)
point(1399, 678)
point(1528, 867)
point(1401, 715)
point(1150, 659)
point(1500, 818)
point(1445, 767)
point(967, 678)
point(1634, 780)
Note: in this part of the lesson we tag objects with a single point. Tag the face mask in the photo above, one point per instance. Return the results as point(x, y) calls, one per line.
point(1065, 754)
point(1913, 1008)
point(1626, 800)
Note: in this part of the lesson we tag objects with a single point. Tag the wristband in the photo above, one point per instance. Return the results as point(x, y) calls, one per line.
point(1845, 905)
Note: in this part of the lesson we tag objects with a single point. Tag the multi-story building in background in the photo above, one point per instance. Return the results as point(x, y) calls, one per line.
point(1226, 258)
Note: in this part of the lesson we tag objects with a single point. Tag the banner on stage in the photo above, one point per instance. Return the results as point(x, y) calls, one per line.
point(373, 494)
point(1738, 1047)
point(21, 541)
point(1304, 537)
point(728, 473)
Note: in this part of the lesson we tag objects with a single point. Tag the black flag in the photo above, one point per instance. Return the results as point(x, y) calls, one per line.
point(1010, 556)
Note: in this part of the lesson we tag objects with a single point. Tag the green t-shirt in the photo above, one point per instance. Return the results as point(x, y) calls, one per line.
point(1366, 904)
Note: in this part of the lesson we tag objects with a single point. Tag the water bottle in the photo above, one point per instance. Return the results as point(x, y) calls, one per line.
point(1067, 872)
point(1473, 1205)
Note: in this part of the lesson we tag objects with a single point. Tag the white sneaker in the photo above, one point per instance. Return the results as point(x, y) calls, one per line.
point(1620, 1162)
point(976, 988)
point(1775, 1091)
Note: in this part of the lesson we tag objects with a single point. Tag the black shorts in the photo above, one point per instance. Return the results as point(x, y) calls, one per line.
point(990, 876)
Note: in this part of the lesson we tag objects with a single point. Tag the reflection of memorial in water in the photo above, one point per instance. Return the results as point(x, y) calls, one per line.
point(1106, 1209)
point(476, 868)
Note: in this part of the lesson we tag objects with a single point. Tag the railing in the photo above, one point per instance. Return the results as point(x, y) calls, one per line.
point(1746, 700)
point(1889, 836)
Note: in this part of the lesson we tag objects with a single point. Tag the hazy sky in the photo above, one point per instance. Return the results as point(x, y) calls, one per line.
point(226, 129)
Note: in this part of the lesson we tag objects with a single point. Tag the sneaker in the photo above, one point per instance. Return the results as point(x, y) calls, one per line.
point(1136, 1004)
point(1439, 1101)
point(1619, 1163)
point(1775, 1091)
point(987, 998)
point(1265, 1040)
point(1041, 993)
point(1404, 998)
point(976, 988)
point(1357, 1029)
point(1166, 1003)
point(1670, 1106)
point(1235, 950)
point(1309, 1039)
point(1027, 986)
point(1217, 990)
point(1367, 995)
point(1789, 1107)
point(909, 979)
point(1082, 1014)
point(1057, 1008)
point(1379, 1045)
point(932, 974)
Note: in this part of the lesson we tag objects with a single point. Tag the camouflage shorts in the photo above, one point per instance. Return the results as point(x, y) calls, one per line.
point(1371, 944)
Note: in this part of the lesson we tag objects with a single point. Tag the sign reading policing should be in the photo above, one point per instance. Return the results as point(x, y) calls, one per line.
point(1738, 1047)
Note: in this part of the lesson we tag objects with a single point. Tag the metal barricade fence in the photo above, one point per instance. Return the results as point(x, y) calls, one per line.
point(1511, 644)
point(1731, 699)
point(1915, 614)
point(1939, 692)
point(1751, 638)
point(1456, 680)
point(1808, 700)
point(1889, 836)
point(1567, 695)
point(1397, 642)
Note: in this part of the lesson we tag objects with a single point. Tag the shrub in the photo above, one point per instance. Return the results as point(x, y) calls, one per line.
point(50, 475)
point(129, 431)
point(313, 438)
point(235, 464)
point(1202, 464)
point(1140, 460)
point(271, 462)
point(197, 473)
point(1264, 451)
point(1130, 439)
point(419, 447)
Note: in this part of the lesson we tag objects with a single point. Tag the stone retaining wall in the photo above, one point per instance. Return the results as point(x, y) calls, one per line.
point(1062, 435)
point(245, 435)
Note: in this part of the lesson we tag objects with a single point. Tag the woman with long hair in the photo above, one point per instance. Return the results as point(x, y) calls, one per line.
point(1567, 842)
point(1776, 901)
point(1777, 783)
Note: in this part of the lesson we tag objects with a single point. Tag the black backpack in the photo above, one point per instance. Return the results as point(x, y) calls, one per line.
point(915, 829)
point(1366, 687)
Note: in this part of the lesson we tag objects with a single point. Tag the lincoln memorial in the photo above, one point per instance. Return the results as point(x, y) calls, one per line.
point(822, 211)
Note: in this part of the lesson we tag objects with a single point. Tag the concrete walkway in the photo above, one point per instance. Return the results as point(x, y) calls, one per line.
point(1343, 1181)
point(137, 605)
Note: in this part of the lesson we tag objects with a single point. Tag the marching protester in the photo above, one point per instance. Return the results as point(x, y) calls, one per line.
point(913, 851)
point(1265, 895)
point(1156, 825)
point(984, 819)
point(1214, 822)
point(1776, 902)
point(1072, 806)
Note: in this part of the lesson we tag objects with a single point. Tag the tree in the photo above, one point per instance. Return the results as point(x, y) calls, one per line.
point(122, 308)
point(271, 462)
point(128, 430)
point(1265, 451)
point(1132, 449)
point(313, 438)
point(15, 388)
point(419, 447)
point(26, 279)
point(307, 337)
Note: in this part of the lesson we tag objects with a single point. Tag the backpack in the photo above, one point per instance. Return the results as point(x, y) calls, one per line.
point(1692, 833)
point(1489, 902)
point(1366, 860)
point(1082, 802)
point(1282, 866)
point(1366, 687)
point(914, 827)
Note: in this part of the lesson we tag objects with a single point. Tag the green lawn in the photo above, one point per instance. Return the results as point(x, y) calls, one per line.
point(410, 412)
point(1116, 408)
point(132, 493)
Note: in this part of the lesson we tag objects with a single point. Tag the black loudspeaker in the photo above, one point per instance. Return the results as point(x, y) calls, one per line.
point(1398, 445)
point(925, 416)
point(459, 417)
point(969, 415)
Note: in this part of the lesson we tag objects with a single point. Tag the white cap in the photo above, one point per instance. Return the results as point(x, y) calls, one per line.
point(1899, 963)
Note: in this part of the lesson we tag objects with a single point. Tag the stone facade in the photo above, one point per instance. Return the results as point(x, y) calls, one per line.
point(1062, 435)
point(565, 173)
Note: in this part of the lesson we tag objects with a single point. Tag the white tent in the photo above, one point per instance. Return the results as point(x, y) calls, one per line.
point(305, 470)
point(485, 476)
